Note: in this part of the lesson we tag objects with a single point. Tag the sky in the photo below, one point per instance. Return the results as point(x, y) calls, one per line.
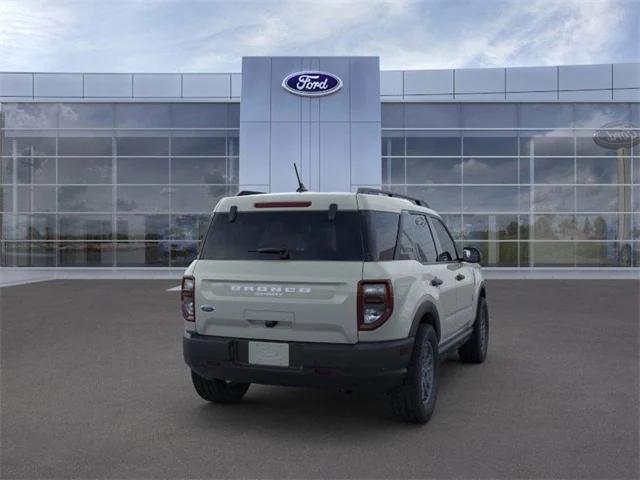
point(212, 36)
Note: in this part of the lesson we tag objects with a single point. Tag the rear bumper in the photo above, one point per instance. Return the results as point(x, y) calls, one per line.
point(375, 366)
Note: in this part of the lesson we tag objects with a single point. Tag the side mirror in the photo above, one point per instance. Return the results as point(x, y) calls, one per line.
point(471, 255)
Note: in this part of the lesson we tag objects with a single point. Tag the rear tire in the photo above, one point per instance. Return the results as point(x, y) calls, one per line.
point(415, 401)
point(474, 350)
point(219, 391)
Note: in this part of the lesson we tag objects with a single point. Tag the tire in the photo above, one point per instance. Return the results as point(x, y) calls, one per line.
point(219, 391)
point(474, 350)
point(415, 401)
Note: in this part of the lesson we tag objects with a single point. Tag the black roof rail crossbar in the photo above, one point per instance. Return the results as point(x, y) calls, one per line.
point(243, 193)
point(375, 191)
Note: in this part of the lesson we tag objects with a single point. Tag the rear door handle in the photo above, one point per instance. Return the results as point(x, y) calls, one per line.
point(460, 277)
point(436, 282)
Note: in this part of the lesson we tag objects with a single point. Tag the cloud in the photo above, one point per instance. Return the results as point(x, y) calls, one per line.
point(213, 36)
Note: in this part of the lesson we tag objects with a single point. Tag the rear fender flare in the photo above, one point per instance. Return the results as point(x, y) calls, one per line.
point(427, 307)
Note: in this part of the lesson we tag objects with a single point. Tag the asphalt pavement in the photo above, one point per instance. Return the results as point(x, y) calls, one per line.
point(93, 386)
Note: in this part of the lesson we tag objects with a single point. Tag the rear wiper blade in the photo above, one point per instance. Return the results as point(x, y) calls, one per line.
point(283, 252)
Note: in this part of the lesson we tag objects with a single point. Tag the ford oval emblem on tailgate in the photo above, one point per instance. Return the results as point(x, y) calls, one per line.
point(207, 308)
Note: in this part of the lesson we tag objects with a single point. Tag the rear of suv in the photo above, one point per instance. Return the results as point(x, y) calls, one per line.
point(357, 291)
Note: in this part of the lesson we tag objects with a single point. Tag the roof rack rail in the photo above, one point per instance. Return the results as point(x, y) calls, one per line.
point(375, 191)
point(243, 193)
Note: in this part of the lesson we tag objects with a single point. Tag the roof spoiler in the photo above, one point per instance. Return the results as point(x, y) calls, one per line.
point(375, 191)
point(244, 193)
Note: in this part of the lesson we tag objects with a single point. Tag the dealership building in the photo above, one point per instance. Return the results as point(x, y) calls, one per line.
point(537, 167)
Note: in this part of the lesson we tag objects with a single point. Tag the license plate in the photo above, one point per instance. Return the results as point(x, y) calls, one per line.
point(269, 353)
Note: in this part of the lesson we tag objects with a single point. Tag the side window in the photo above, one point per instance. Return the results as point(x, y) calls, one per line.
point(447, 251)
point(416, 242)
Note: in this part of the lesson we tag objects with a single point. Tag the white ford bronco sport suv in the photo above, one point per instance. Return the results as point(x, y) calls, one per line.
point(360, 291)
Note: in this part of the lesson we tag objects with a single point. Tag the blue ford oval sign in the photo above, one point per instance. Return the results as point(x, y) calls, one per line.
point(312, 84)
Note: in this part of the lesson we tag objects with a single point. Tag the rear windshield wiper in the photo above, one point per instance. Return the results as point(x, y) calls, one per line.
point(283, 252)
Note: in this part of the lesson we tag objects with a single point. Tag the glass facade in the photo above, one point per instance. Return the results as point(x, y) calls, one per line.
point(112, 184)
point(133, 184)
point(527, 184)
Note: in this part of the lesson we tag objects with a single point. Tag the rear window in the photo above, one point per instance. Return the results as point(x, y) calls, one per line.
point(303, 235)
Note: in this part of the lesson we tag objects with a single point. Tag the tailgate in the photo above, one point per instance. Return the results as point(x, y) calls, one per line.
point(305, 301)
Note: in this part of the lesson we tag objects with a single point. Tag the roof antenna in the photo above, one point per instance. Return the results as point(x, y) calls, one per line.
point(301, 187)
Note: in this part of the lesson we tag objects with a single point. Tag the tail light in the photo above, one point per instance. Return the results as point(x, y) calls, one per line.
point(187, 298)
point(375, 303)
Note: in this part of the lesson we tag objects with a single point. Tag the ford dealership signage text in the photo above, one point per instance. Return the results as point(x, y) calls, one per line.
point(312, 84)
point(617, 135)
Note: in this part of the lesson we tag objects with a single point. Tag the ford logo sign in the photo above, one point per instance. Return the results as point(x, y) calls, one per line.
point(312, 84)
point(617, 135)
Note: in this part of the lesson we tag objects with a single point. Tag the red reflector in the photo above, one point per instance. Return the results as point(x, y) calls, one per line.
point(281, 204)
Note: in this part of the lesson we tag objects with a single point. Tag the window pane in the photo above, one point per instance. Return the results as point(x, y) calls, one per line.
point(85, 227)
point(392, 143)
point(305, 235)
point(487, 115)
point(196, 199)
point(420, 115)
point(603, 227)
point(143, 254)
point(424, 240)
point(182, 253)
point(490, 146)
point(85, 199)
point(491, 199)
point(143, 146)
point(598, 114)
point(454, 224)
point(544, 145)
point(142, 227)
point(497, 254)
point(393, 170)
point(541, 115)
point(603, 254)
point(553, 170)
point(586, 146)
point(146, 115)
point(33, 170)
point(441, 199)
point(554, 227)
point(199, 115)
point(85, 146)
point(29, 146)
point(553, 254)
point(490, 170)
point(199, 146)
point(143, 170)
point(28, 227)
point(36, 199)
point(553, 199)
point(447, 245)
point(604, 170)
point(143, 199)
point(425, 143)
point(30, 115)
point(199, 170)
point(600, 198)
point(380, 230)
point(78, 254)
point(85, 115)
point(392, 115)
point(434, 170)
point(84, 170)
point(490, 227)
point(27, 254)
point(189, 227)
